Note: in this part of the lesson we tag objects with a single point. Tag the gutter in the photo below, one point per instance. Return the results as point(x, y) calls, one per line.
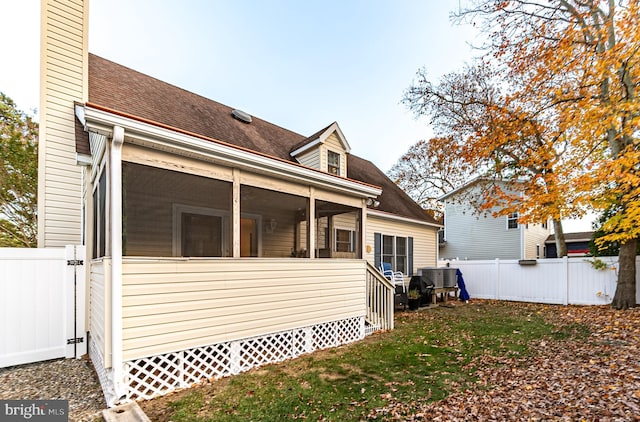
point(395, 217)
point(101, 120)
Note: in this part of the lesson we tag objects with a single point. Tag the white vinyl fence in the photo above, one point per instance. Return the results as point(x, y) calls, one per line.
point(572, 281)
point(42, 304)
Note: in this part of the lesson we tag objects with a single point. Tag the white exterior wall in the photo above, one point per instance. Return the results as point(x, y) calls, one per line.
point(63, 64)
point(471, 236)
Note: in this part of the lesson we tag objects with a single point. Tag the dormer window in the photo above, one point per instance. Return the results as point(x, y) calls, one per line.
point(333, 163)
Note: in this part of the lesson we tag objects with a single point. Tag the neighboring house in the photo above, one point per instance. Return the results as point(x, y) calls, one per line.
point(217, 241)
point(469, 235)
point(577, 244)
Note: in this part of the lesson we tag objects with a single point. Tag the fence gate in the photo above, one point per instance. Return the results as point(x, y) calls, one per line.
point(42, 304)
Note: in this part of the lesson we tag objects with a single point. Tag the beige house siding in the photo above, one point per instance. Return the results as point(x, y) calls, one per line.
point(535, 235)
point(171, 305)
point(332, 143)
point(311, 158)
point(100, 309)
point(63, 62)
point(425, 240)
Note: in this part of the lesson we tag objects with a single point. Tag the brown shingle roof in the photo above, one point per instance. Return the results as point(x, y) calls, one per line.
point(119, 88)
point(309, 139)
point(572, 237)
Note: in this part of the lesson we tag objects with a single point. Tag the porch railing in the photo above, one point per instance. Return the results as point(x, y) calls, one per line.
point(379, 297)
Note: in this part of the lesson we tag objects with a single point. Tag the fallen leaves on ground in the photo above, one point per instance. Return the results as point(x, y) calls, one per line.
point(596, 377)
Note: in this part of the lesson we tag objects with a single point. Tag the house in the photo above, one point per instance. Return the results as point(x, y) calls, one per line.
point(577, 244)
point(469, 235)
point(216, 241)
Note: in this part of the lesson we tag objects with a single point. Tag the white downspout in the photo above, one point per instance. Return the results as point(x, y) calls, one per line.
point(116, 261)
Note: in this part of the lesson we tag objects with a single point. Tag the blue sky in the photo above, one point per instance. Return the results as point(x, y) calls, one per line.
point(300, 64)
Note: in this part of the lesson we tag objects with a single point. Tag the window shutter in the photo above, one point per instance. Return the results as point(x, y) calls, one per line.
point(377, 250)
point(410, 255)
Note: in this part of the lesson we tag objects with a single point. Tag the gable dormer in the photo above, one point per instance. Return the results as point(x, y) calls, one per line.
point(325, 150)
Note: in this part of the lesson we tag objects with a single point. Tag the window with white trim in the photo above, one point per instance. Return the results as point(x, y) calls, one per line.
point(394, 251)
point(333, 162)
point(345, 240)
point(199, 231)
point(512, 220)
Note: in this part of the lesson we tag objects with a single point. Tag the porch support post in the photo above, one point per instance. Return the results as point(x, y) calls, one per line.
point(235, 214)
point(312, 222)
point(363, 227)
point(116, 261)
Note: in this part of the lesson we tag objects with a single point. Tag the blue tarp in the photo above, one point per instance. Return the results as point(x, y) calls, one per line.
point(464, 294)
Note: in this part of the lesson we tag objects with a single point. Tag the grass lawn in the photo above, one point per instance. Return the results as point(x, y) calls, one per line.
point(432, 353)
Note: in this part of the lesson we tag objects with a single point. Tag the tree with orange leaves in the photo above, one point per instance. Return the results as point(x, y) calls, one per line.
point(584, 57)
point(505, 135)
point(573, 72)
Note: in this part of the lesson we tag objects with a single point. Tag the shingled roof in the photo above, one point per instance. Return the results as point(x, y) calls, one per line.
point(124, 90)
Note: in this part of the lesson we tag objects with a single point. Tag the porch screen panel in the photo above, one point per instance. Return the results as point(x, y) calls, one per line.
point(99, 216)
point(337, 230)
point(171, 213)
point(273, 224)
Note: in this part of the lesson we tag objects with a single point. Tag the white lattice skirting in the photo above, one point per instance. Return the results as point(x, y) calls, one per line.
point(104, 375)
point(157, 375)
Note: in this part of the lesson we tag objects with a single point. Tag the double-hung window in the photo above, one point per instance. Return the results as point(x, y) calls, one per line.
point(512, 220)
point(345, 240)
point(333, 163)
point(396, 250)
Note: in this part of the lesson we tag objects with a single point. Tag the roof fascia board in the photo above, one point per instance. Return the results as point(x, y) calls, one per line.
point(461, 188)
point(335, 128)
point(103, 122)
point(306, 147)
point(395, 217)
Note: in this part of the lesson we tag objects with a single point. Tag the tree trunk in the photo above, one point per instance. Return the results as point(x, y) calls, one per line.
point(561, 244)
point(625, 296)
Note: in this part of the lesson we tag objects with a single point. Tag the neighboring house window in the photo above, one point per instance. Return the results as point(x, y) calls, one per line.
point(345, 240)
point(333, 162)
point(396, 250)
point(538, 251)
point(512, 220)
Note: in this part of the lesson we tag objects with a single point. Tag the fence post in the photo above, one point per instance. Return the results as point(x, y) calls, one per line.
point(74, 294)
point(565, 275)
point(498, 279)
point(81, 300)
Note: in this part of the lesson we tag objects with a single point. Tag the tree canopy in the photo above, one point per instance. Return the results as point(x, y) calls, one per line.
point(430, 169)
point(18, 176)
point(553, 103)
